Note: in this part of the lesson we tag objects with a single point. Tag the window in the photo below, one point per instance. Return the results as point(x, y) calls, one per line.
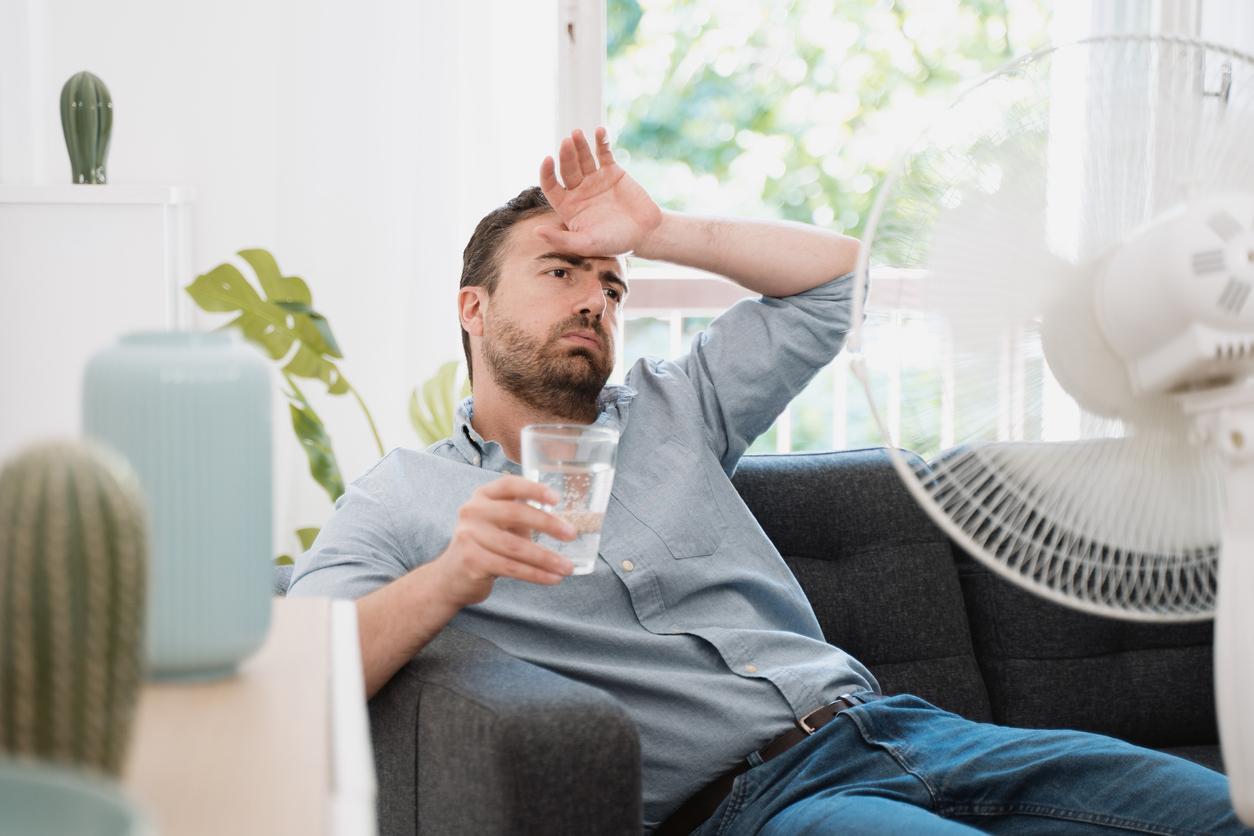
point(795, 110)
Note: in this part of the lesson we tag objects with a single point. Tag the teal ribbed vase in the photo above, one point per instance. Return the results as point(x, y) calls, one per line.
point(191, 411)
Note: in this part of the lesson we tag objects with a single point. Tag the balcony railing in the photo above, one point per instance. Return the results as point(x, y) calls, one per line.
point(909, 353)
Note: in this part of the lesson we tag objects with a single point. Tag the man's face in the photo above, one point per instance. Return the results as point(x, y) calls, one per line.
point(551, 325)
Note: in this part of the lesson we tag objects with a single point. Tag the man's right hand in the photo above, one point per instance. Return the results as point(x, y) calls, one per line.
point(492, 540)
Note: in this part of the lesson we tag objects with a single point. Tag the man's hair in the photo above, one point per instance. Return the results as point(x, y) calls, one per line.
point(481, 260)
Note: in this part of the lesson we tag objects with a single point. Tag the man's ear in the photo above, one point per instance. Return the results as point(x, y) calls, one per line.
point(471, 303)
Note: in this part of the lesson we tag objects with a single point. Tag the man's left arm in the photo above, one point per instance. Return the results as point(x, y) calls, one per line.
point(750, 362)
point(604, 212)
point(773, 258)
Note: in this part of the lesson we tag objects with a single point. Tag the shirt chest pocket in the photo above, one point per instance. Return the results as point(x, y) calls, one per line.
point(668, 490)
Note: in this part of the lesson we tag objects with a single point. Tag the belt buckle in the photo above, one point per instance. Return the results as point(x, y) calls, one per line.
point(804, 724)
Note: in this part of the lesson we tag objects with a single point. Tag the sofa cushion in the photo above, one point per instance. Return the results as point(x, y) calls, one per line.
point(1207, 756)
point(1048, 666)
point(878, 573)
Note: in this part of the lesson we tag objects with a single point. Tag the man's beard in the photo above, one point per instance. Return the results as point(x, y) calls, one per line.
point(551, 376)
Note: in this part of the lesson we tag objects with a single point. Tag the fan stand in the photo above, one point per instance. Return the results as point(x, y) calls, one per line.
point(1224, 419)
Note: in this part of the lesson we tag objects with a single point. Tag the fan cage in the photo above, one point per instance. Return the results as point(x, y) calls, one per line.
point(997, 499)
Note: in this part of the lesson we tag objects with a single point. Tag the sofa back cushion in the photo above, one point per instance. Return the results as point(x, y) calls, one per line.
point(1048, 666)
point(878, 573)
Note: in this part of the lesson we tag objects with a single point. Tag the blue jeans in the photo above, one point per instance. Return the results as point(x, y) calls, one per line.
point(898, 765)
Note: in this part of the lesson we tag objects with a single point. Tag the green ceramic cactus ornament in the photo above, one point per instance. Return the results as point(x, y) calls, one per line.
point(87, 121)
point(73, 584)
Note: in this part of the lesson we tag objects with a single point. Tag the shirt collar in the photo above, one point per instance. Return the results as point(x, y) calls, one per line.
point(612, 406)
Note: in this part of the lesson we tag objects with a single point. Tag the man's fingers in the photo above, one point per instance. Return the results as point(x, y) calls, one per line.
point(583, 153)
point(566, 241)
point(604, 155)
point(516, 487)
point(503, 567)
point(520, 549)
point(518, 517)
point(568, 162)
point(548, 183)
point(505, 511)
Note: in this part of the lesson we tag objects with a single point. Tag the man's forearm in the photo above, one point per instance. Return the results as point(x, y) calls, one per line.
point(774, 258)
point(398, 620)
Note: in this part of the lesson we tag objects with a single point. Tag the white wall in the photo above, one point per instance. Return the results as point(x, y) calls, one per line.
point(358, 142)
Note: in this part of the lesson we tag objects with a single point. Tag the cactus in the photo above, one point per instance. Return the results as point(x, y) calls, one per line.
point(87, 121)
point(73, 583)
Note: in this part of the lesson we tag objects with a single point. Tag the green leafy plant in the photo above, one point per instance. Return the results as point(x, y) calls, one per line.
point(281, 320)
point(433, 413)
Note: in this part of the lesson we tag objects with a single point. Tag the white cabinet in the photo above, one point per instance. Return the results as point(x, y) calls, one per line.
point(80, 266)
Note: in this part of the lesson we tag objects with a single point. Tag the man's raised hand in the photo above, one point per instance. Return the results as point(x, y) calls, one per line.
point(604, 212)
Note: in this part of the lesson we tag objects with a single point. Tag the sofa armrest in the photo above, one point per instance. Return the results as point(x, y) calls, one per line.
point(469, 739)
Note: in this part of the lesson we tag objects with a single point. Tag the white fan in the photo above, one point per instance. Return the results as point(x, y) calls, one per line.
point(1078, 233)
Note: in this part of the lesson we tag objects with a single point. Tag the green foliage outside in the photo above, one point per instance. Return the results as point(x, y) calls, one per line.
point(796, 110)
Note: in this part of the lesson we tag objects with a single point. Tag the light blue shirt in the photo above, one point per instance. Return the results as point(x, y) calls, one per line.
point(691, 619)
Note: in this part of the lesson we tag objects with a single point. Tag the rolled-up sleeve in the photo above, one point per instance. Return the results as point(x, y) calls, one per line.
point(354, 553)
point(757, 356)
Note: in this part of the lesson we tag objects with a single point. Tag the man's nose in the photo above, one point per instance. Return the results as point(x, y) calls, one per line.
point(592, 301)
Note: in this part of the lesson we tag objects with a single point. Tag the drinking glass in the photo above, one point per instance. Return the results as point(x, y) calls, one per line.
point(577, 462)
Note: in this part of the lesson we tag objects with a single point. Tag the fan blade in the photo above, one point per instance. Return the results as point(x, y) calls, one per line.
point(1121, 526)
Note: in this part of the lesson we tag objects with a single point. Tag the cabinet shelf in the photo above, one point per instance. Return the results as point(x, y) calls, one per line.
point(71, 193)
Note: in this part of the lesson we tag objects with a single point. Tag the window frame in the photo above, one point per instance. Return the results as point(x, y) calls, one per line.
point(671, 292)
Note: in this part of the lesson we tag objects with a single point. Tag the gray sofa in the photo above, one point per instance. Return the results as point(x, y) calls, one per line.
point(468, 739)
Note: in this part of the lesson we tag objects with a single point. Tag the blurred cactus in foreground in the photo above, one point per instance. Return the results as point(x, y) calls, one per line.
point(73, 581)
point(87, 122)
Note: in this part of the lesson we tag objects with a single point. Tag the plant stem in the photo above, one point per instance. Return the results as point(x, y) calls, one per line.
point(369, 419)
point(300, 396)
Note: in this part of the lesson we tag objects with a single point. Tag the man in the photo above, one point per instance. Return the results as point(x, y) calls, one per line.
point(691, 619)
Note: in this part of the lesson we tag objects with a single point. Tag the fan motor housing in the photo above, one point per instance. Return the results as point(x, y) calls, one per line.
point(1174, 301)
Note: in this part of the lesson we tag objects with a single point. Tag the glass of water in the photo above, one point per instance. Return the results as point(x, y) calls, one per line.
point(577, 462)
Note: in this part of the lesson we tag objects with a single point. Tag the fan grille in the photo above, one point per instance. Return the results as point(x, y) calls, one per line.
point(1000, 209)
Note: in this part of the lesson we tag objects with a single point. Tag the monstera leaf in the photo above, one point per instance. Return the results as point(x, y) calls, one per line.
point(317, 445)
point(281, 320)
point(285, 325)
point(433, 413)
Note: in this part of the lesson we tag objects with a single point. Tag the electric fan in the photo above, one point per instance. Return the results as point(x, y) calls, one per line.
point(1077, 234)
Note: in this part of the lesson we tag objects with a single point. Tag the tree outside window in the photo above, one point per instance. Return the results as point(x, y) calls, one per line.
point(796, 110)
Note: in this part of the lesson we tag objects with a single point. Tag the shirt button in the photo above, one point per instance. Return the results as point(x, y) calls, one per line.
point(628, 565)
point(751, 668)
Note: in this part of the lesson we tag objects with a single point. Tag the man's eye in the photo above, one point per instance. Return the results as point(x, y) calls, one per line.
point(559, 272)
point(613, 294)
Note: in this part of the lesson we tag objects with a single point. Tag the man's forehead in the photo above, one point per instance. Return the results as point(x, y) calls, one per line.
point(524, 244)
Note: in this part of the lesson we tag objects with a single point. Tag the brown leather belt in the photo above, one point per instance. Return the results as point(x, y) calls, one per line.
point(704, 802)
